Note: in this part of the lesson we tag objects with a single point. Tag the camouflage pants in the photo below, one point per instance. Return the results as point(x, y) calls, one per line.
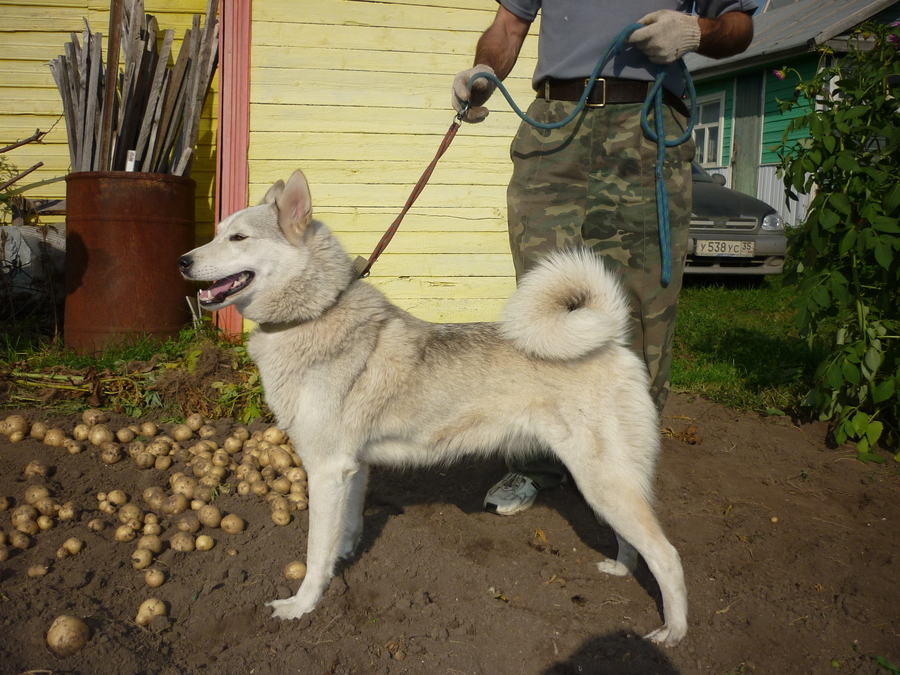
point(592, 183)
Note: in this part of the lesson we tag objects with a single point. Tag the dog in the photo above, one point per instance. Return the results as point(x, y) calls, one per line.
point(356, 381)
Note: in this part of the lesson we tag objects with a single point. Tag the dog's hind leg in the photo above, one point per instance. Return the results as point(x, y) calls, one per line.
point(332, 492)
point(618, 496)
point(625, 562)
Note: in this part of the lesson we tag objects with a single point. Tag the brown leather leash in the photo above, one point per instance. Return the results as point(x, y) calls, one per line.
point(362, 265)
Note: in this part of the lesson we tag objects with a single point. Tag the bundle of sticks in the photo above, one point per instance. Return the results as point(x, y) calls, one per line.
point(145, 117)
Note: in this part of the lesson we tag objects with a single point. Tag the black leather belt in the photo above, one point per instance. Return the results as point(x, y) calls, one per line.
point(606, 91)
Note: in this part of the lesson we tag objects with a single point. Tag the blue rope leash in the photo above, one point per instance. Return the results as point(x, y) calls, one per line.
point(656, 133)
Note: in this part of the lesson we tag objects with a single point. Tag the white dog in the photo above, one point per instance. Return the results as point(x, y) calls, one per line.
point(355, 381)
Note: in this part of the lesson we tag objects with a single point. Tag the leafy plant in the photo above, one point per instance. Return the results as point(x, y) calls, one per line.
point(847, 267)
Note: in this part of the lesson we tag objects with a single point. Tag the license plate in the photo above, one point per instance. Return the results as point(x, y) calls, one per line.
point(729, 249)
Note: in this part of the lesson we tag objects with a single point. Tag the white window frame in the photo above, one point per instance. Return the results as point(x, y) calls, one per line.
point(720, 124)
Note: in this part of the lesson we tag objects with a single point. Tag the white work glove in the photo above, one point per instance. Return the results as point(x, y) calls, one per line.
point(482, 89)
point(667, 35)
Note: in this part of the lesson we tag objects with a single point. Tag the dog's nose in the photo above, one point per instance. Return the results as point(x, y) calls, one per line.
point(185, 262)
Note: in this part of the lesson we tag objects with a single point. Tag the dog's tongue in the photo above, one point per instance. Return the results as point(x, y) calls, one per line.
point(219, 289)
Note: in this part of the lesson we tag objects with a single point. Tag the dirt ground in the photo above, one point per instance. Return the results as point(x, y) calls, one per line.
point(788, 548)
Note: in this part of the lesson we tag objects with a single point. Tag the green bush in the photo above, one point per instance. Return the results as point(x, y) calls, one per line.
point(847, 267)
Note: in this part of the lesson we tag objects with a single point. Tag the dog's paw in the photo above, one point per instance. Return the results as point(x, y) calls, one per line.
point(290, 608)
point(614, 567)
point(666, 636)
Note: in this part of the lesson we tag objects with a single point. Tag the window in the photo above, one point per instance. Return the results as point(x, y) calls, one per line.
point(708, 130)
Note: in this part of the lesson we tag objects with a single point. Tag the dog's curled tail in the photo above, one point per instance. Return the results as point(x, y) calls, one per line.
point(567, 306)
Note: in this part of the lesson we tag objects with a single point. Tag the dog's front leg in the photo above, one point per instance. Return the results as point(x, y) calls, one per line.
point(333, 491)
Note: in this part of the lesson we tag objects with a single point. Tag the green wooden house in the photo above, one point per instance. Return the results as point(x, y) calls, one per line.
point(739, 117)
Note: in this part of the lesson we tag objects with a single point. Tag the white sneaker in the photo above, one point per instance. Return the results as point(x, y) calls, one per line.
point(514, 493)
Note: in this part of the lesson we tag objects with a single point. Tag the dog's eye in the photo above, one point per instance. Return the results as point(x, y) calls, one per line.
point(237, 237)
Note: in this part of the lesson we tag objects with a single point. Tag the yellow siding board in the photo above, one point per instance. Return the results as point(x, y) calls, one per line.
point(357, 94)
point(374, 14)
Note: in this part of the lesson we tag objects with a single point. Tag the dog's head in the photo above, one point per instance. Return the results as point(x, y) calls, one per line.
point(259, 253)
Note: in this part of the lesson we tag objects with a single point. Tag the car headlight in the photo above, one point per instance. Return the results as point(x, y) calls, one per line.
point(773, 222)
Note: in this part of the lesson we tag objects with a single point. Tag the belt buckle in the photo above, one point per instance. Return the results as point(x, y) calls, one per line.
point(602, 102)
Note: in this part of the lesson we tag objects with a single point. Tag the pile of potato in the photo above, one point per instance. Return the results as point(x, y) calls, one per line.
point(262, 465)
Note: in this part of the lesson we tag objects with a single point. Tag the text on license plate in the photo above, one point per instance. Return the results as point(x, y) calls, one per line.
point(716, 247)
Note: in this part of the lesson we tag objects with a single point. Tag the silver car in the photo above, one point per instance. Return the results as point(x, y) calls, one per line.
point(732, 233)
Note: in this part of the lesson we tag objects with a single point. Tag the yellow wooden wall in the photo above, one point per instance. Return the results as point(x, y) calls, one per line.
point(357, 94)
point(32, 32)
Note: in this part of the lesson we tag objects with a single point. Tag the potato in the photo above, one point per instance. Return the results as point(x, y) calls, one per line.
point(295, 571)
point(100, 434)
point(125, 534)
point(93, 417)
point(74, 447)
point(81, 432)
point(4, 553)
point(39, 570)
point(73, 545)
point(173, 505)
point(36, 468)
point(125, 435)
point(210, 516)
point(206, 431)
point(281, 517)
point(16, 424)
point(182, 541)
point(232, 445)
point(96, 525)
point(194, 421)
point(152, 529)
point(35, 492)
point(141, 558)
point(145, 460)
point(47, 506)
point(281, 485)
point(39, 430)
point(182, 432)
point(44, 522)
point(110, 453)
point(274, 435)
point(55, 438)
point(151, 542)
point(184, 485)
point(154, 578)
point(68, 635)
point(23, 513)
point(189, 523)
point(149, 608)
point(69, 511)
point(149, 429)
point(163, 463)
point(232, 524)
point(5, 503)
point(29, 527)
point(204, 542)
point(19, 540)
point(117, 497)
point(17, 436)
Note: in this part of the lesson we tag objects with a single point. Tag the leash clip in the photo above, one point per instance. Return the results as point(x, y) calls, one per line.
point(465, 105)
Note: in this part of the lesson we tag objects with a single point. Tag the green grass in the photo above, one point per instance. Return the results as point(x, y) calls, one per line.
point(736, 343)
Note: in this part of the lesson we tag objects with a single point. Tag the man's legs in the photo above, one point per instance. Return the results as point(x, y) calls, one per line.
point(593, 184)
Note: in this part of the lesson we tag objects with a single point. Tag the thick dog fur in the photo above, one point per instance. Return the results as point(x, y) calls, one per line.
point(356, 381)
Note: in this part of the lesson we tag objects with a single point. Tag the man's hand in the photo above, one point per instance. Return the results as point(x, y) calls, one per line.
point(482, 89)
point(667, 35)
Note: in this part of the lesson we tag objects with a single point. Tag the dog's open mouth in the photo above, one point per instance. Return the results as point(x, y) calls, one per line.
point(225, 288)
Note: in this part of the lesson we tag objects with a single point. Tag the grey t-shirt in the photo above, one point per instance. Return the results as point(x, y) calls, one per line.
point(575, 33)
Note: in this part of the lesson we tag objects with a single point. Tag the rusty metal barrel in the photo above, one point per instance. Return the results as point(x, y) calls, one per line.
point(124, 234)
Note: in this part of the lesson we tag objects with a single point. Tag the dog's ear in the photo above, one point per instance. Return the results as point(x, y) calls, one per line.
point(273, 194)
point(294, 207)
